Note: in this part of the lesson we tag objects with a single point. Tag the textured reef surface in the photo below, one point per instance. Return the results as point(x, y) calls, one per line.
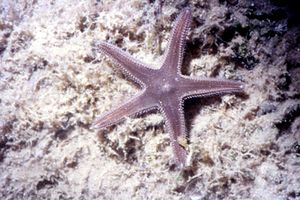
point(53, 84)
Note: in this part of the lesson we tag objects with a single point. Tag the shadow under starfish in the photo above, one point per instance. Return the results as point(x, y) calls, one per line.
point(165, 88)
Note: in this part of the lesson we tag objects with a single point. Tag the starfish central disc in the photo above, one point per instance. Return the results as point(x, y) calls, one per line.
point(167, 88)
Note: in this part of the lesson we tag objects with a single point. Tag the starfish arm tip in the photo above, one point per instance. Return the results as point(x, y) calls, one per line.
point(242, 86)
point(181, 158)
point(187, 9)
point(93, 126)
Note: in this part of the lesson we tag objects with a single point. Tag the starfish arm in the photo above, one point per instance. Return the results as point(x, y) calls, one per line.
point(192, 87)
point(174, 119)
point(130, 66)
point(174, 54)
point(134, 106)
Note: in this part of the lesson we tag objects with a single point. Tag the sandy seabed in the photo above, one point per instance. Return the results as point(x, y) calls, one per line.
point(53, 84)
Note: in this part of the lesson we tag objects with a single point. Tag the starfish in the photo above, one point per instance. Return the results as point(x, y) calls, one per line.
point(165, 88)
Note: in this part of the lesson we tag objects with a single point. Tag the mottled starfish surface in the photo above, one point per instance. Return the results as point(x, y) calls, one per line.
point(165, 88)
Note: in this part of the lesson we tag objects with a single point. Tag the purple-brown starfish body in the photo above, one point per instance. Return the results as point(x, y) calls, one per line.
point(165, 88)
